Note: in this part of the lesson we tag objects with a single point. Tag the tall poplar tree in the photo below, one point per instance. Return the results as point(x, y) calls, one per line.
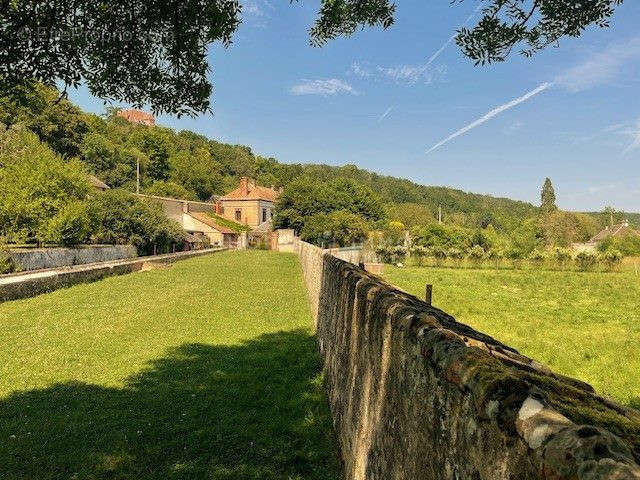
point(548, 197)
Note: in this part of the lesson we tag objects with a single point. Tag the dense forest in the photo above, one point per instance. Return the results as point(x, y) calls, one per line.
point(188, 165)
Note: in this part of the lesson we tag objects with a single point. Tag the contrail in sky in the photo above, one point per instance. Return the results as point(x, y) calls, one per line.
point(488, 116)
point(384, 115)
point(452, 37)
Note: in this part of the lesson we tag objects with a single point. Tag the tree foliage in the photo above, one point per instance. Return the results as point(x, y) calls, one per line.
point(119, 217)
point(534, 24)
point(338, 228)
point(504, 24)
point(627, 244)
point(170, 190)
point(548, 197)
point(139, 52)
point(35, 185)
point(306, 200)
point(69, 226)
point(60, 124)
point(155, 52)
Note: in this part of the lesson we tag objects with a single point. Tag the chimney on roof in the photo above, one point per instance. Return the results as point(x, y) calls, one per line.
point(244, 185)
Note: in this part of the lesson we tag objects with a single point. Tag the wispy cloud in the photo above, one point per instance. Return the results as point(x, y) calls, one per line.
point(492, 113)
point(634, 133)
point(412, 74)
point(406, 74)
point(251, 7)
point(324, 87)
point(514, 127)
point(601, 68)
point(622, 135)
point(359, 71)
point(385, 114)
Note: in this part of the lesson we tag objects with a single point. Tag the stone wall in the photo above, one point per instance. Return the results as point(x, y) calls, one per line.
point(25, 285)
point(311, 259)
point(416, 395)
point(41, 258)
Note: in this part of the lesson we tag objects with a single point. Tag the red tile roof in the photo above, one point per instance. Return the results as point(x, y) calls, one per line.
point(137, 116)
point(248, 190)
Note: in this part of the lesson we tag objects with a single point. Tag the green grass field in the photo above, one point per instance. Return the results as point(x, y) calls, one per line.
point(585, 325)
point(207, 369)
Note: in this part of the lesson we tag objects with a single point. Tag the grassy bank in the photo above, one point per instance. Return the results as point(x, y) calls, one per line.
point(207, 369)
point(586, 325)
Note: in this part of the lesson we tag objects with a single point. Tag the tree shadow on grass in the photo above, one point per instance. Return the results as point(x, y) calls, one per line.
point(253, 411)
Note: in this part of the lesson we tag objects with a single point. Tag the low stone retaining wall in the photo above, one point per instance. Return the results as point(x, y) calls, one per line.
point(42, 258)
point(415, 395)
point(30, 284)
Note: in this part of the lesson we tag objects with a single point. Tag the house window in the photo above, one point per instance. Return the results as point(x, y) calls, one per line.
point(238, 215)
point(264, 215)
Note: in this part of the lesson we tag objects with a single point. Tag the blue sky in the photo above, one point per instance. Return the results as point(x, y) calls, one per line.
point(380, 100)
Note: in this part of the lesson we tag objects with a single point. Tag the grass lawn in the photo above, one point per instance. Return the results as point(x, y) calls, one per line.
point(585, 325)
point(207, 369)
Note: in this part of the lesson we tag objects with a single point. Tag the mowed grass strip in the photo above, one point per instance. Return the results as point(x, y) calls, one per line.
point(585, 325)
point(207, 369)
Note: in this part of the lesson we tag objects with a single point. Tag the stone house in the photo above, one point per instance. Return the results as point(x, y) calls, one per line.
point(250, 204)
point(198, 218)
point(620, 230)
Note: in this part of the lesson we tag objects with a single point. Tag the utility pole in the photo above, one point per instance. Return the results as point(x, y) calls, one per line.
point(440, 214)
point(137, 175)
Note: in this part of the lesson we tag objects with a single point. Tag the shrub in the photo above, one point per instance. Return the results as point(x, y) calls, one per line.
point(562, 256)
point(628, 245)
point(391, 254)
point(456, 255)
point(537, 257)
point(419, 253)
point(341, 227)
point(120, 217)
point(169, 189)
point(612, 258)
point(586, 260)
point(439, 254)
point(35, 184)
point(476, 253)
point(6, 265)
point(514, 253)
point(70, 226)
point(394, 233)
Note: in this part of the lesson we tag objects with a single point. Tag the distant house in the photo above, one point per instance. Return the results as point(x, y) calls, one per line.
point(620, 230)
point(137, 116)
point(219, 235)
point(199, 219)
point(98, 184)
point(250, 204)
